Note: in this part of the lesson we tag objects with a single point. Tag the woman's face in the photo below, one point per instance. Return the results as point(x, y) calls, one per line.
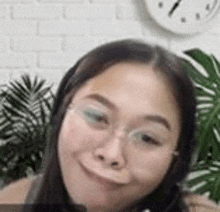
point(118, 136)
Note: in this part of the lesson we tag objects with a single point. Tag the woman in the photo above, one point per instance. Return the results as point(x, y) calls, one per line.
point(122, 135)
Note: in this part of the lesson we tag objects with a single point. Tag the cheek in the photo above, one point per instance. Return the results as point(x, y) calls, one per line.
point(77, 137)
point(150, 169)
point(72, 141)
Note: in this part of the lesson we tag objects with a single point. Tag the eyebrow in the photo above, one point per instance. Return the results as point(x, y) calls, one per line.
point(158, 119)
point(102, 100)
point(155, 118)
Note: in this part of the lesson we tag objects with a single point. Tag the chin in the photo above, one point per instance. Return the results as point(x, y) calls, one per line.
point(101, 204)
point(100, 207)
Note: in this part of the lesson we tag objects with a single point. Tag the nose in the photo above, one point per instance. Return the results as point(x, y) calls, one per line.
point(111, 153)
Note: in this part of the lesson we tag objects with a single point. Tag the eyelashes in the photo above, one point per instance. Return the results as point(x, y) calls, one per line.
point(144, 137)
point(95, 116)
point(99, 120)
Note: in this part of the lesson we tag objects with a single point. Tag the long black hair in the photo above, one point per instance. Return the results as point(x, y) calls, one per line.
point(167, 197)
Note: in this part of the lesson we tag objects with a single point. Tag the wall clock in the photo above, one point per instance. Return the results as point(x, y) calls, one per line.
point(183, 16)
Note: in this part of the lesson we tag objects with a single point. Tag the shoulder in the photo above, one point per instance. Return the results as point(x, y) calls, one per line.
point(15, 192)
point(200, 203)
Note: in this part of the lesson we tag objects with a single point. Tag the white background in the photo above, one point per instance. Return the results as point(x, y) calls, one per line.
point(46, 37)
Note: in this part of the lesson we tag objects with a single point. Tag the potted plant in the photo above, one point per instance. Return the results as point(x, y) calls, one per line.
point(24, 121)
point(25, 108)
point(204, 70)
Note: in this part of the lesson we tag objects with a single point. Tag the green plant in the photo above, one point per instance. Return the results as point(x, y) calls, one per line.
point(25, 108)
point(204, 70)
point(24, 122)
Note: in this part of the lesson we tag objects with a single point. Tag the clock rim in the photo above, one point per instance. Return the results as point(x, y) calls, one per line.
point(177, 29)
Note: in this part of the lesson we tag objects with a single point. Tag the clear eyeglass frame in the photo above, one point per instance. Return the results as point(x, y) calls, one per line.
point(128, 134)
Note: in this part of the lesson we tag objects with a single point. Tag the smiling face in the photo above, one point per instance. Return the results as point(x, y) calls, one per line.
point(118, 136)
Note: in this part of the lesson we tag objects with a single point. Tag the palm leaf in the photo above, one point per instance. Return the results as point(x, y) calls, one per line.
point(208, 88)
point(204, 71)
point(24, 121)
point(209, 181)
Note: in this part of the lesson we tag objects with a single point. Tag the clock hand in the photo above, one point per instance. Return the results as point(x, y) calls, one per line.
point(174, 8)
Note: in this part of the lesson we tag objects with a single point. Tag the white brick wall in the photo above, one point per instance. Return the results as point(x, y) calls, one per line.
point(62, 1)
point(90, 12)
point(112, 1)
point(46, 37)
point(36, 43)
point(127, 12)
point(15, 27)
point(64, 27)
point(17, 60)
point(16, 1)
point(79, 44)
point(3, 11)
point(116, 28)
point(4, 43)
point(37, 12)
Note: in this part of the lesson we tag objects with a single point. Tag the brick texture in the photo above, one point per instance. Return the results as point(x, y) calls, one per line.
point(35, 43)
point(3, 12)
point(112, 1)
point(62, 60)
point(79, 44)
point(11, 27)
point(62, 1)
point(90, 12)
point(47, 37)
point(17, 1)
point(124, 12)
point(116, 28)
point(16, 60)
point(3, 45)
point(37, 12)
point(64, 28)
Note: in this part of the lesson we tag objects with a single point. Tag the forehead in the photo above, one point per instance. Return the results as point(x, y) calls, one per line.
point(136, 83)
point(129, 74)
point(135, 90)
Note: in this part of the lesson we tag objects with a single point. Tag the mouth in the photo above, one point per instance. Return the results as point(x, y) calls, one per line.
point(106, 182)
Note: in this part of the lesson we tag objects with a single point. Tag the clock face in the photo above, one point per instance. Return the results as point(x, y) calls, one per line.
point(183, 16)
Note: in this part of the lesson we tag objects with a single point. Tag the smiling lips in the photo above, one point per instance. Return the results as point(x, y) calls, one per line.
point(102, 180)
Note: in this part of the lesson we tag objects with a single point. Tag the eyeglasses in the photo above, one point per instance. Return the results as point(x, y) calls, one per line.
point(98, 119)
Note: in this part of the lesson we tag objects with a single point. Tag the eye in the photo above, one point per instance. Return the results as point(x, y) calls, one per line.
point(95, 117)
point(145, 138)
